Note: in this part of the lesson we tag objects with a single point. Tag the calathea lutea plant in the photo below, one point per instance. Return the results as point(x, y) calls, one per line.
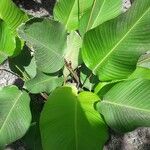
point(90, 62)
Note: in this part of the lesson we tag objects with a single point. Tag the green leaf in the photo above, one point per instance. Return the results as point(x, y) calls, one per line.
point(88, 80)
point(140, 72)
point(43, 83)
point(24, 64)
point(101, 11)
point(11, 14)
point(112, 49)
point(7, 42)
point(15, 115)
point(48, 39)
point(10, 18)
point(103, 87)
point(143, 68)
point(69, 121)
point(69, 11)
point(72, 54)
point(144, 61)
point(32, 138)
point(127, 105)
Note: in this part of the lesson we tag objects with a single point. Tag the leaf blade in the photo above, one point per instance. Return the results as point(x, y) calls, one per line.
point(101, 11)
point(15, 114)
point(43, 83)
point(69, 12)
point(128, 103)
point(49, 55)
point(106, 55)
point(73, 137)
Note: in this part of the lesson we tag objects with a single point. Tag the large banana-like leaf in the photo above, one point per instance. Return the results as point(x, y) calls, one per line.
point(101, 11)
point(7, 41)
point(69, 11)
point(112, 49)
point(11, 17)
point(15, 116)
point(48, 39)
point(69, 121)
point(43, 83)
point(127, 105)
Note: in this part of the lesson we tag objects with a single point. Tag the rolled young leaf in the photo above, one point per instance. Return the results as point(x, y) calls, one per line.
point(112, 49)
point(69, 121)
point(15, 115)
point(127, 105)
point(48, 39)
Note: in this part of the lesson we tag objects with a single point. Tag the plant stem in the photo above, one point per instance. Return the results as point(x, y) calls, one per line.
point(73, 73)
point(44, 95)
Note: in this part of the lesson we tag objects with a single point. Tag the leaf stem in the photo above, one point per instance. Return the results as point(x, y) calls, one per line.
point(73, 73)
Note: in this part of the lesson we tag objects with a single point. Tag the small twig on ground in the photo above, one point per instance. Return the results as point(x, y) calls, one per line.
point(2, 69)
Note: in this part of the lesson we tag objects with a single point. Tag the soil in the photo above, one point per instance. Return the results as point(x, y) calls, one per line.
point(36, 8)
point(135, 140)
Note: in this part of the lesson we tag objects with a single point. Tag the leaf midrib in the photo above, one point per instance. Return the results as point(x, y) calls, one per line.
point(143, 61)
point(40, 43)
point(98, 13)
point(44, 81)
point(91, 14)
point(125, 106)
point(70, 13)
point(11, 110)
point(120, 41)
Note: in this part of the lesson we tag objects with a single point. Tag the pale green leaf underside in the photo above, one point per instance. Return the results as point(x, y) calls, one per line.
point(69, 11)
point(72, 54)
point(143, 68)
point(43, 83)
point(144, 61)
point(15, 116)
point(112, 49)
point(48, 39)
point(127, 105)
point(69, 121)
point(101, 11)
